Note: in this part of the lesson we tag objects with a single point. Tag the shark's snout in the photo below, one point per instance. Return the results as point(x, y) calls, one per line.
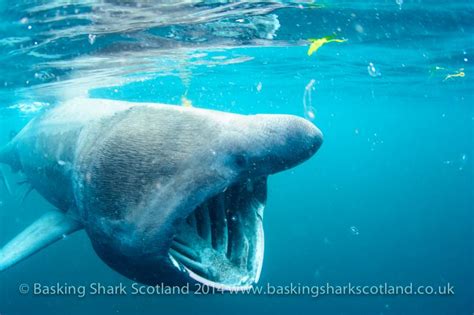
point(286, 141)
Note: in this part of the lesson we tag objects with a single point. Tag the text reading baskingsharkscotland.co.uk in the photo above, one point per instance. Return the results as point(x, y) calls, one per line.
point(296, 289)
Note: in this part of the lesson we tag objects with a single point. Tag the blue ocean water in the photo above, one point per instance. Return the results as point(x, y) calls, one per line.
point(387, 199)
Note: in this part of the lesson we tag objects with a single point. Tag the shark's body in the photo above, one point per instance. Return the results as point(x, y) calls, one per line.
point(165, 193)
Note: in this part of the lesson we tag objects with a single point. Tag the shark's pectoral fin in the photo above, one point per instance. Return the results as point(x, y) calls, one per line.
point(4, 182)
point(49, 228)
point(9, 156)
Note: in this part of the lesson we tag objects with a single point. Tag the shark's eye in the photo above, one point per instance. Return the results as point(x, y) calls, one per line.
point(241, 160)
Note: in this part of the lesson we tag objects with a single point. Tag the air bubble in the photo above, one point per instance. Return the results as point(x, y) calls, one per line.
point(373, 72)
point(359, 28)
point(92, 38)
point(354, 230)
point(400, 3)
point(309, 111)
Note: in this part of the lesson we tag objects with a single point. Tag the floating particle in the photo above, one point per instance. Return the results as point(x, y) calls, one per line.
point(309, 111)
point(317, 43)
point(234, 218)
point(259, 86)
point(373, 72)
point(30, 27)
point(354, 230)
point(92, 38)
point(356, 131)
point(24, 20)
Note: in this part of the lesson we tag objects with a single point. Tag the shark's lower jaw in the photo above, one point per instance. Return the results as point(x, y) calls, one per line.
point(220, 244)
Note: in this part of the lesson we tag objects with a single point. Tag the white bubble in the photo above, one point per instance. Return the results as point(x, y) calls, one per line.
point(92, 38)
point(309, 111)
point(373, 72)
point(359, 28)
point(259, 86)
point(462, 162)
point(400, 3)
point(354, 230)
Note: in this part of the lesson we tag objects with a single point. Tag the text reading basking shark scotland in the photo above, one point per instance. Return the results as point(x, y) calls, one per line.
point(167, 194)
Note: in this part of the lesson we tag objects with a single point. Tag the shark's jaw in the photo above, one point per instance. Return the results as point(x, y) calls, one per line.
point(221, 243)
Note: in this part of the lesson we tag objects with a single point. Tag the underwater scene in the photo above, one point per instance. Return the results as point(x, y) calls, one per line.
point(237, 157)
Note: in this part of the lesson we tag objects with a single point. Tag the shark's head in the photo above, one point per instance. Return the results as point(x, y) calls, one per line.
point(176, 195)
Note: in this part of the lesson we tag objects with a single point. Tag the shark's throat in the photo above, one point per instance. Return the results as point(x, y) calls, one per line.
point(221, 244)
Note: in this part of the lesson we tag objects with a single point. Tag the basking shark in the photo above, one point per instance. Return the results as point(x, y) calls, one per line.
point(167, 194)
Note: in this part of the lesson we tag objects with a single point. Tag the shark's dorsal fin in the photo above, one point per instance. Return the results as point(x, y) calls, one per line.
point(49, 228)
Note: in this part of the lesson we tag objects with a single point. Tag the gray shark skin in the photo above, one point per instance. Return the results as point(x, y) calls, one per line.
point(167, 194)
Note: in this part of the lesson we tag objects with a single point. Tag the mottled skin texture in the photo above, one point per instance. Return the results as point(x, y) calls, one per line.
point(131, 172)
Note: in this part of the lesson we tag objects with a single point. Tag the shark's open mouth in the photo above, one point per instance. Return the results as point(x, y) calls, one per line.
point(220, 244)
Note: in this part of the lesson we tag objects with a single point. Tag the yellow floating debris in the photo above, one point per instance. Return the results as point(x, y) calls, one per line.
point(317, 43)
point(459, 74)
